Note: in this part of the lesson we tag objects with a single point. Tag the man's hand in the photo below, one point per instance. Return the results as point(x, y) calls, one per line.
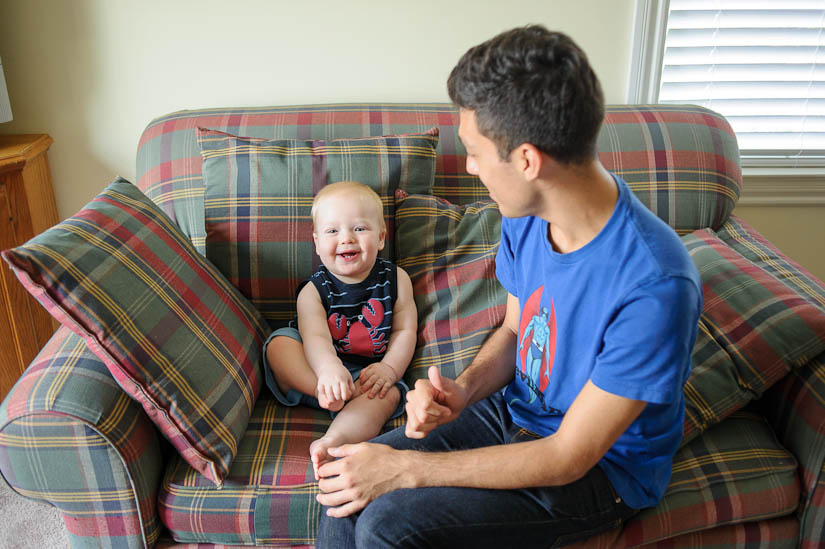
point(377, 378)
point(334, 387)
point(364, 472)
point(433, 402)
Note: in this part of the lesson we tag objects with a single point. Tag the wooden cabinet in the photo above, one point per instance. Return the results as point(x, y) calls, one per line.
point(27, 207)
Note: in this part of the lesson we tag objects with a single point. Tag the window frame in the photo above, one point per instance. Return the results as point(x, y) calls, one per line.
point(766, 179)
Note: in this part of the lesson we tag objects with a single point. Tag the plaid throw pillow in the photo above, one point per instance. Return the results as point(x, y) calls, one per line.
point(449, 252)
point(175, 335)
point(259, 195)
point(752, 331)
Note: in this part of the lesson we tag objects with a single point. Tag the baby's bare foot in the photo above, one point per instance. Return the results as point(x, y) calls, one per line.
point(318, 452)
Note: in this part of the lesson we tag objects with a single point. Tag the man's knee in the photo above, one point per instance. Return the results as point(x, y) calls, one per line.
point(335, 533)
point(382, 523)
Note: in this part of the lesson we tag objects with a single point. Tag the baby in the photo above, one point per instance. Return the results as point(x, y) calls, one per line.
point(356, 324)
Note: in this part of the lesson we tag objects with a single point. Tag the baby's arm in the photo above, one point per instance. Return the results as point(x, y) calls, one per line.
point(334, 380)
point(379, 377)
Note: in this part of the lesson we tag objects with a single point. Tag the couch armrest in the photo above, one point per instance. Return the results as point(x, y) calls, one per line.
point(795, 406)
point(70, 437)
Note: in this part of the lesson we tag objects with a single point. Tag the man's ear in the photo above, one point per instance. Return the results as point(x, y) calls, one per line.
point(528, 160)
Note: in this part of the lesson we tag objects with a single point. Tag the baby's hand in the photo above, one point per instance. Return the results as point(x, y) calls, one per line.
point(377, 378)
point(335, 387)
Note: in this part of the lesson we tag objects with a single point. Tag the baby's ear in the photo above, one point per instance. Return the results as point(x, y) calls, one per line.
point(381, 239)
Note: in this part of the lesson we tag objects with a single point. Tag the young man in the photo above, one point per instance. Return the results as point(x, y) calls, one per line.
point(592, 355)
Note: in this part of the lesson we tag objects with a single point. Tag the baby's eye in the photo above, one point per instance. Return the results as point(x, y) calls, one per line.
point(331, 231)
point(359, 229)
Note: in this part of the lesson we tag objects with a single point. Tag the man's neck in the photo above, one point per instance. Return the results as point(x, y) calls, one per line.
point(578, 204)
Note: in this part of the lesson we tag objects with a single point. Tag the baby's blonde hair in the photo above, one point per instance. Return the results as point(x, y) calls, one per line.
point(353, 187)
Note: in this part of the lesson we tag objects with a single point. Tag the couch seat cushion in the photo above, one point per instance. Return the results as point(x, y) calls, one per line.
point(735, 472)
point(268, 497)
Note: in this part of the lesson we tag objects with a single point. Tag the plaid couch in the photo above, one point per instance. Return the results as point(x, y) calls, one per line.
point(751, 469)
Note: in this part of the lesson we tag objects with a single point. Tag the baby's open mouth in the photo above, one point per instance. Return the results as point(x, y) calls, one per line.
point(348, 255)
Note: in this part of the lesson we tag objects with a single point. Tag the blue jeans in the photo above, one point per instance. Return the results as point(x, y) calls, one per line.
point(472, 517)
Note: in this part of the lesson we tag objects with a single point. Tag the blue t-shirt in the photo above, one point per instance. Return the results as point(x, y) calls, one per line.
point(621, 311)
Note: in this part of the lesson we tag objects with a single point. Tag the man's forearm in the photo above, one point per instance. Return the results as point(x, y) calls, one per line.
point(493, 367)
point(508, 466)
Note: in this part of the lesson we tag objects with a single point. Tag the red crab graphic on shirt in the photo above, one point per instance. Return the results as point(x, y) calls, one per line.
point(359, 335)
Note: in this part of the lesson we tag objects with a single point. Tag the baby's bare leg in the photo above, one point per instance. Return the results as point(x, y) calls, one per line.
point(361, 419)
point(291, 370)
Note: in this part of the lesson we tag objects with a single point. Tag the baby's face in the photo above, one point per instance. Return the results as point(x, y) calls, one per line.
point(348, 235)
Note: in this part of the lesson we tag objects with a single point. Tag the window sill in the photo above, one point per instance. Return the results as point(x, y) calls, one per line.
point(783, 186)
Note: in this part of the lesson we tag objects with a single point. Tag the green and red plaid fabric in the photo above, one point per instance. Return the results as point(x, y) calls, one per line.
point(750, 244)
point(680, 160)
point(778, 533)
point(70, 437)
point(173, 332)
point(268, 497)
point(259, 196)
point(449, 252)
point(753, 330)
point(736, 472)
point(795, 407)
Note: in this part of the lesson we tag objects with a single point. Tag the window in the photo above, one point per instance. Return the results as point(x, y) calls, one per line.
point(761, 63)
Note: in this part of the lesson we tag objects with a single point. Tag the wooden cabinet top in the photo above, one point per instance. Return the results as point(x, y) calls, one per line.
point(19, 148)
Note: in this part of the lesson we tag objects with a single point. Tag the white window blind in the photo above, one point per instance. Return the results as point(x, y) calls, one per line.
point(761, 64)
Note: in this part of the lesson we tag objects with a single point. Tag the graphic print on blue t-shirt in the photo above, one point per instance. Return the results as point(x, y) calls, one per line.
point(537, 347)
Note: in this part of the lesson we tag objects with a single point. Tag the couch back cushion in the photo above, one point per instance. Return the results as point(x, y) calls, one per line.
point(682, 161)
point(449, 252)
point(259, 195)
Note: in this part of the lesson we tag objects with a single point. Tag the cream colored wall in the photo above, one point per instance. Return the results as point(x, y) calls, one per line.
point(93, 73)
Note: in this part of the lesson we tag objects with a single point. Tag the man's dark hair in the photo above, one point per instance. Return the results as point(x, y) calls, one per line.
point(531, 85)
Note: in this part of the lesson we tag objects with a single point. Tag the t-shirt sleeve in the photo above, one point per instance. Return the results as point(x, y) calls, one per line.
point(647, 347)
point(504, 259)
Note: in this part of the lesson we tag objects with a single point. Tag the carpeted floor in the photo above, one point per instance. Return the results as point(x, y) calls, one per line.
point(27, 524)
